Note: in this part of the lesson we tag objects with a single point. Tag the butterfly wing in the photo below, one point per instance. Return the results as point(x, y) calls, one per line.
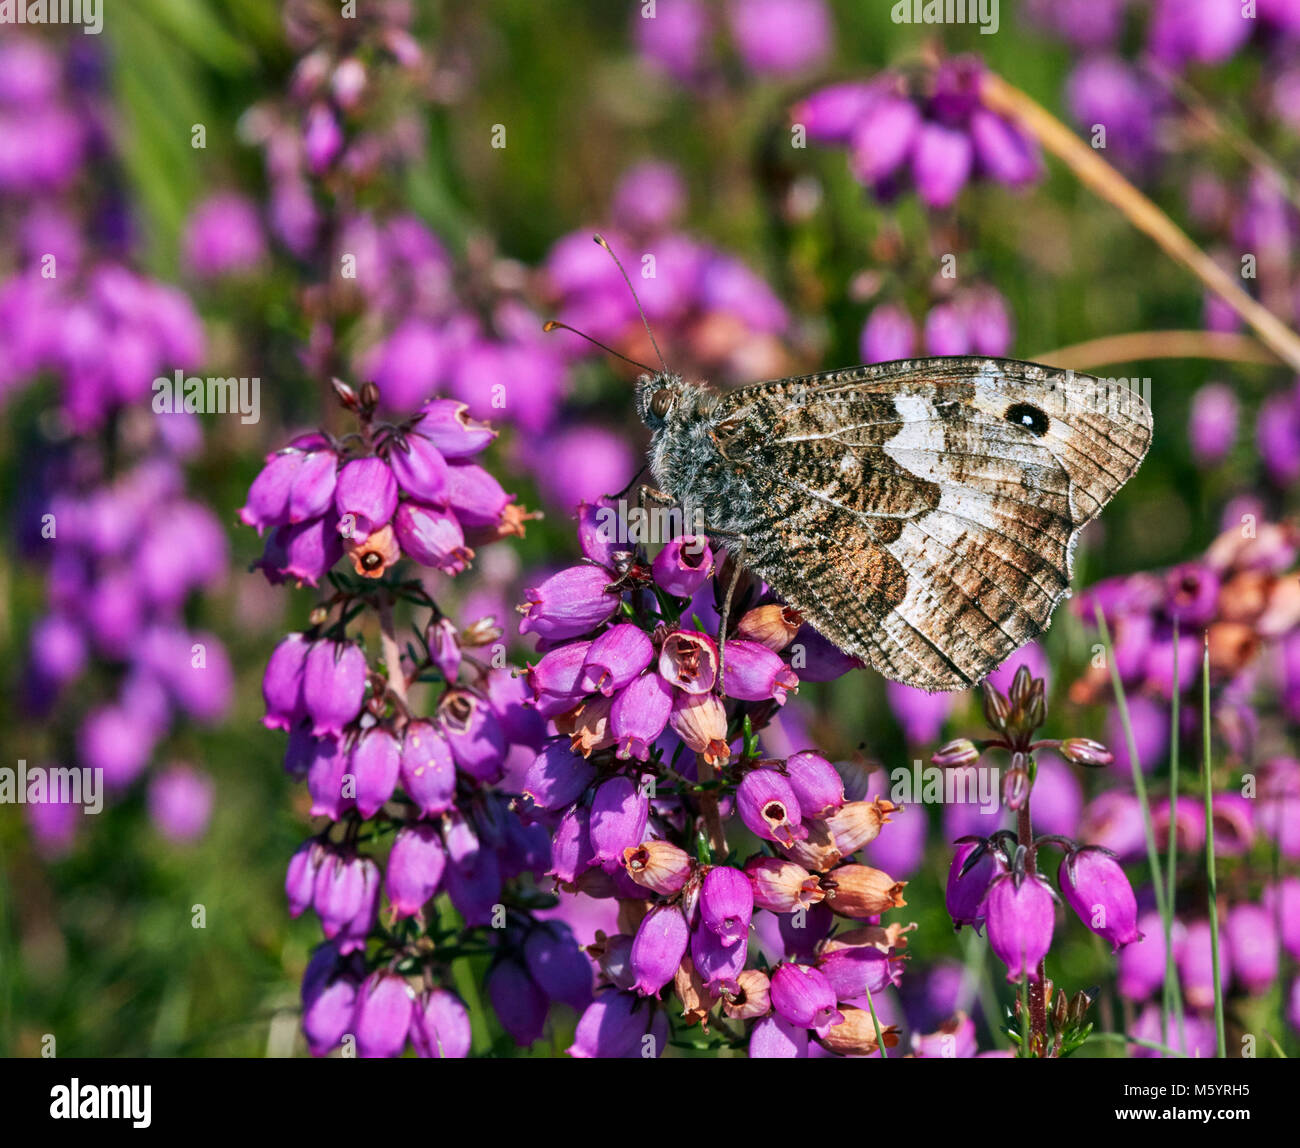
point(922, 514)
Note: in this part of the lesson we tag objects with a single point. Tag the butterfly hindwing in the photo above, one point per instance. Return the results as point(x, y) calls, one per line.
point(922, 514)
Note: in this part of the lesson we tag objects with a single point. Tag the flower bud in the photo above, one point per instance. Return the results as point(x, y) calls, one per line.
point(781, 886)
point(683, 565)
point(858, 823)
point(856, 1035)
point(956, 754)
point(568, 604)
point(860, 891)
point(658, 948)
point(385, 1004)
point(375, 763)
point(754, 673)
point(700, 720)
point(804, 997)
point(1020, 916)
point(618, 818)
point(427, 769)
point(333, 685)
point(727, 903)
point(557, 777)
point(415, 868)
point(1085, 751)
point(659, 866)
point(1095, 887)
point(440, 1026)
point(615, 659)
point(816, 783)
point(639, 714)
point(444, 647)
point(773, 626)
point(752, 997)
point(769, 807)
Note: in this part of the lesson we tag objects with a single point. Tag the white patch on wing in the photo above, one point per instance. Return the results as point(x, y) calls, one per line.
point(922, 428)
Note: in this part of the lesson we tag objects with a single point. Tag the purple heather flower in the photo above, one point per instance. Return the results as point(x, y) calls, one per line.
point(1114, 820)
point(1020, 917)
point(769, 808)
point(727, 903)
point(365, 497)
point(432, 537)
point(1001, 152)
point(343, 887)
point(1192, 598)
point(1212, 425)
point(223, 236)
point(420, 468)
point(476, 497)
point(571, 846)
point(568, 604)
point(901, 850)
point(1100, 894)
point(683, 565)
point(618, 1025)
point(855, 970)
point(774, 1038)
point(675, 37)
point(989, 321)
point(1141, 968)
point(754, 673)
point(1149, 721)
point(1200, 31)
point(427, 768)
point(1283, 903)
point(1198, 1030)
point(415, 868)
point(440, 1026)
point(1196, 967)
point(658, 948)
point(557, 777)
point(889, 334)
point(639, 715)
point(282, 683)
point(1109, 93)
point(804, 997)
point(474, 886)
point(333, 685)
point(1253, 941)
point(613, 660)
point(649, 196)
point(780, 37)
point(946, 330)
point(884, 138)
point(1058, 799)
point(966, 892)
point(941, 164)
point(374, 763)
point(329, 1003)
point(689, 661)
point(300, 877)
point(596, 459)
point(557, 964)
point(474, 734)
point(618, 818)
point(718, 963)
point(448, 428)
point(112, 739)
point(816, 783)
point(385, 1005)
point(1277, 435)
point(325, 772)
point(830, 114)
point(180, 802)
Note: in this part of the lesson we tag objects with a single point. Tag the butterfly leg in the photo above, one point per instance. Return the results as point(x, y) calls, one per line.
point(629, 486)
point(737, 565)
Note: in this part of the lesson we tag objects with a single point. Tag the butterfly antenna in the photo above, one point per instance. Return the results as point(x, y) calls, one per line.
point(555, 325)
point(603, 242)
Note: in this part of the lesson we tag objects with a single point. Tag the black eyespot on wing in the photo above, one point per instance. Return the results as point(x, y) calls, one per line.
point(1028, 416)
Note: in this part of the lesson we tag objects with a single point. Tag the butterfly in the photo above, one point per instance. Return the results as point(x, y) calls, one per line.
point(920, 514)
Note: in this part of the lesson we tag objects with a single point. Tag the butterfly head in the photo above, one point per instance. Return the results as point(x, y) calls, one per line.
point(662, 398)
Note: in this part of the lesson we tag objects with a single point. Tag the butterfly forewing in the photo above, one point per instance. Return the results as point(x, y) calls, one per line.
point(922, 514)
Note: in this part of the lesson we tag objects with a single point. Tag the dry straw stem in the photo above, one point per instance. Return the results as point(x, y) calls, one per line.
point(1140, 346)
point(1098, 175)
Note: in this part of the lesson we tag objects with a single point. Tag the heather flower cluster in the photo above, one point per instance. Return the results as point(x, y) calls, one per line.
point(997, 881)
point(378, 765)
point(931, 134)
point(654, 769)
point(115, 663)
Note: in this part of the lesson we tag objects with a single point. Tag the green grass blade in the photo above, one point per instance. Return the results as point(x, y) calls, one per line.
point(1212, 889)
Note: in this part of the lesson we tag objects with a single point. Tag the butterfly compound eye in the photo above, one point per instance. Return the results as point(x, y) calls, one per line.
point(661, 402)
point(1029, 417)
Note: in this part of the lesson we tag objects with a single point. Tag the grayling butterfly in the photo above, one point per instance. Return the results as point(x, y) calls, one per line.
point(922, 514)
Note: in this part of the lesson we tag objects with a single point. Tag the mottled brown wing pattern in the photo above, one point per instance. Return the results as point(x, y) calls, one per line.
point(922, 514)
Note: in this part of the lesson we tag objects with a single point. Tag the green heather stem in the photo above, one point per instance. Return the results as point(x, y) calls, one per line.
point(1211, 878)
point(1140, 788)
point(1171, 864)
point(875, 1020)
